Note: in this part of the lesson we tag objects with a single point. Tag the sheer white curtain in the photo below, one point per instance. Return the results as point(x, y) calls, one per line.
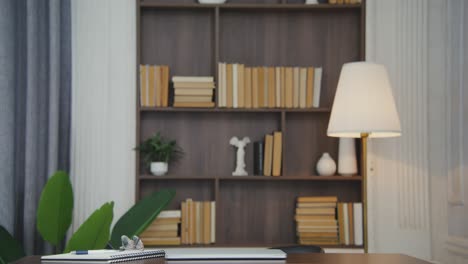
point(104, 91)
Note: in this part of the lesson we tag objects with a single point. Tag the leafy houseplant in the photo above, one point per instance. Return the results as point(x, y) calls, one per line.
point(54, 216)
point(157, 151)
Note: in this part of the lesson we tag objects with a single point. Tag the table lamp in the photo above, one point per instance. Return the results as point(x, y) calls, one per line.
point(364, 108)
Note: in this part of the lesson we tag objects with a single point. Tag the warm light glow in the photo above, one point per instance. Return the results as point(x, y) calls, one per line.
point(364, 103)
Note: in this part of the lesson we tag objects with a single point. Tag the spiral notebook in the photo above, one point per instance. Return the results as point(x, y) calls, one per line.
point(104, 256)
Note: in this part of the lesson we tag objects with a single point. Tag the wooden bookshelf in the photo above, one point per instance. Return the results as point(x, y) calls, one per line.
point(192, 39)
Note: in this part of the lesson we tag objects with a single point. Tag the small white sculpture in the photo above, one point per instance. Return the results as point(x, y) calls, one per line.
point(240, 156)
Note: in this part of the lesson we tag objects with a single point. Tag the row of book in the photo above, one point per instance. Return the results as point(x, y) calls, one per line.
point(322, 220)
point(193, 91)
point(316, 222)
point(164, 230)
point(198, 223)
point(350, 223)
point(268, 155)
point(268, 87)
point(154, 85)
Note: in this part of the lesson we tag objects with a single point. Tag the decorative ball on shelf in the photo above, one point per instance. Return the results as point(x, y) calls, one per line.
point(240, 156)
point(326, 166)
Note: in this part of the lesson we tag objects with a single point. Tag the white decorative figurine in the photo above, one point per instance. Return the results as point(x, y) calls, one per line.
point(240, 156)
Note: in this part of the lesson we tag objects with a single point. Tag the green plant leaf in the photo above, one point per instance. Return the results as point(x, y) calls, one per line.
point(10, 248)
point(94, 232)
point(54, 213)
point(141, 215)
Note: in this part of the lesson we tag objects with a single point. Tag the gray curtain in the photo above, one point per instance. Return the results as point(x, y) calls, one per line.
point(35, 104)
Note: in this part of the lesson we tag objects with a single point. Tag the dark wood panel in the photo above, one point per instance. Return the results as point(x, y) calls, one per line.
point(263, 212)
point(306, 140)
point(205, 137)
point(198, 190)
point(182, 39)
point(298, 38)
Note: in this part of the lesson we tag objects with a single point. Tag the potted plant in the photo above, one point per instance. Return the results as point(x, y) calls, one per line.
point(157, 151)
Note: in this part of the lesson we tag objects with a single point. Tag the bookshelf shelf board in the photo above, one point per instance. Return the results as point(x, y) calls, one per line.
point(229, 110)
point(148, 4)
point(174, 177)
point(291, 178)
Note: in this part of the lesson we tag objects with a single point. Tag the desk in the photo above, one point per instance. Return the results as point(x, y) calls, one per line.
point(312, 258)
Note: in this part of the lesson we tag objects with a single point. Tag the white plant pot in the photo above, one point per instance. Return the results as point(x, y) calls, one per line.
point(326, 166)
point(159, 168)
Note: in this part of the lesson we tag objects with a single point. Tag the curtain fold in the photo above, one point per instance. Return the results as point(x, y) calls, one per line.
point(38, 90)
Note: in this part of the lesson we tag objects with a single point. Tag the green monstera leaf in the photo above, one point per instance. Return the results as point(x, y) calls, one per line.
point(54, 213)
point(94, 232)
point(141, 215)
point(10, 248)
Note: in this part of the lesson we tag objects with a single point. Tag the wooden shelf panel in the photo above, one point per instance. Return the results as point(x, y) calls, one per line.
point(234, 110)
point(251, 178)
point(148, 4)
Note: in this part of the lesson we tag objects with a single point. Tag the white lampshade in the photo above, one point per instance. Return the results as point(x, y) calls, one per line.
point(364, 103)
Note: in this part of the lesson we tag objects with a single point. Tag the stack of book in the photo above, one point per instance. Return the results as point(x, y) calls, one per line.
point(193, 91)
point(268, 87)
point(154, 85)
point(198, 222)
point(268, 155)
point(350, 223)
point(163, 230)
point(316, 220)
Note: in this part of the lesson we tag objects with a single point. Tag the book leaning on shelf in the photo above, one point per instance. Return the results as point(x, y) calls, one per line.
point(198, 224)
point(240, 86)
point(268, 155)
point(154, 85)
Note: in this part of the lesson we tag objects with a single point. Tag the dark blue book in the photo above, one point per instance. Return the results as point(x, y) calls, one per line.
point(258, 158)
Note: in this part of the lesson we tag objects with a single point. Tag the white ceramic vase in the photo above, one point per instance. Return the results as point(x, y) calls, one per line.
point(158, 168)
point(326, 166)
point(347, 163)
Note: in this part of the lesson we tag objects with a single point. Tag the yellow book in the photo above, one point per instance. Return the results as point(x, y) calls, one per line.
point(261, 87)
point(271, 87)
point(268, 155)
point(166, 241)
point(229, 96)
point(283, 87)
point(240, 86)
point(194, 104)
point(296, 89)
point(143, 86)
point(289, 87)
point(255, 99)
point(193, 98)
point(151, 86)
point(302, 87)
point(184, 223)
point(317, 199)
point(200, 91)
point(310, 87)
point(206, 222)
point(308, 205)
point(248, 87)
point(315, 211)
point(165, 85)
point(277, 151)
point(157, 234)
point(278, 87)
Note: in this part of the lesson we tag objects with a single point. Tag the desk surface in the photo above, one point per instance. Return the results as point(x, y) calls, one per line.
point(313, 258)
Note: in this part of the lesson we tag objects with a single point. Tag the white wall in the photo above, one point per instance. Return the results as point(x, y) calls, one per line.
point(103, 110)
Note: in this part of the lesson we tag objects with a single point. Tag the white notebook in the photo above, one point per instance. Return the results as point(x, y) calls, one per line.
point(224, 254)
point(104, 256)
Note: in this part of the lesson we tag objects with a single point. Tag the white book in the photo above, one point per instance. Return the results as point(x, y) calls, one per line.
point(192, 79)
point(278, 86)
point(198, 225)
point(213, 221)
point(235, 86)
point(296, 87)
point(169, 214)
point(317, 86)
point(358, 236)
point(346, 223)
point(265, 86)
point(303, 87)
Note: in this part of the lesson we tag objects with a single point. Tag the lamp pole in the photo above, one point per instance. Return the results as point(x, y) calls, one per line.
point(364, 137)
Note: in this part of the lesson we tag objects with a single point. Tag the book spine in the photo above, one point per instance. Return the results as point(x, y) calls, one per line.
point(258, 158)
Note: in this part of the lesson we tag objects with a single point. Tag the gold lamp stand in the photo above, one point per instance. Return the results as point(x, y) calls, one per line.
point(364, 137)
